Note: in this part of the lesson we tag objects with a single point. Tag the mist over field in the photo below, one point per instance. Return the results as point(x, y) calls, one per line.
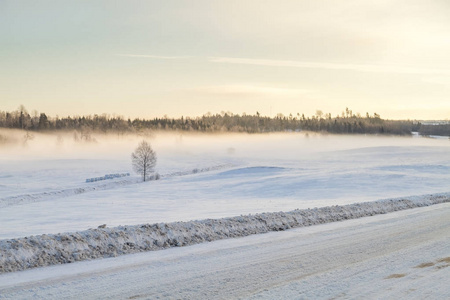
point(204, 176)
point(21, 144)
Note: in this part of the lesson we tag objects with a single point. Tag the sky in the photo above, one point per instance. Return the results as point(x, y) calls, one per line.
point(187, 58)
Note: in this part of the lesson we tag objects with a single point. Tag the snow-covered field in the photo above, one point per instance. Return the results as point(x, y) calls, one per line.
point(43, 188)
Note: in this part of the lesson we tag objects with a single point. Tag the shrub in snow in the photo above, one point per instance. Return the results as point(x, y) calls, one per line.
point(107, 176)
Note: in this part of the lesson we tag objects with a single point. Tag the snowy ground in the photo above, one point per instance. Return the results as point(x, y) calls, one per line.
point(50, 249)
point(43, 189)
point(401, 255)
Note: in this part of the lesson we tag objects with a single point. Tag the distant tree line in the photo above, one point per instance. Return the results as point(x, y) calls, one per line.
point(435, 129)
point(345, 123)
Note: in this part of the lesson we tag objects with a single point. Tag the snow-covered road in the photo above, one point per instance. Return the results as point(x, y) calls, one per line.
point(397, 255)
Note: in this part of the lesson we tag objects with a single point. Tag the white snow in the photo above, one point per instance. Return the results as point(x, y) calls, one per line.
point(400, 255)
point(43, 250)
point(45, 191)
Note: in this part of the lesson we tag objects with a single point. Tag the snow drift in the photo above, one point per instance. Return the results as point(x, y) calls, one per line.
point(102, 185)
point(43, 250)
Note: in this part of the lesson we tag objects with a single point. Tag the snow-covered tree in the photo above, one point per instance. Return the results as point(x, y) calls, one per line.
point(143, 159)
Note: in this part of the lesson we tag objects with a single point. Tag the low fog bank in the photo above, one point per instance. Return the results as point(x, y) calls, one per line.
point(25, 145)
point(43, 250)
point(19, 144)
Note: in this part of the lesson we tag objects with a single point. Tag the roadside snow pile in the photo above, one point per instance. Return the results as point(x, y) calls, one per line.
point(43, 250)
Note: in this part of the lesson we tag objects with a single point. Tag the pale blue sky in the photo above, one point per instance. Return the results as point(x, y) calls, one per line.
point(155, 58)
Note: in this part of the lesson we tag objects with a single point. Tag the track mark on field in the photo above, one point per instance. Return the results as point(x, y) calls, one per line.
point(425, 265)
point(136, 297)
point(443, 263)
point(439, 264)
point(395, 276)
point(446, 260)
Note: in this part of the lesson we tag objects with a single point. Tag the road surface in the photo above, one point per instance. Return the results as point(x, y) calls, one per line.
point(397, 255)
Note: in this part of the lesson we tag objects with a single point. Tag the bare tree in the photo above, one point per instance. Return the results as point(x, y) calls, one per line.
point(143, 159)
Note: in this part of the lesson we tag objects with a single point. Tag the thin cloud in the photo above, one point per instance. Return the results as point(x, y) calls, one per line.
point(248, 91)
point(441, 80)
point(153, 56)
point(329, 66)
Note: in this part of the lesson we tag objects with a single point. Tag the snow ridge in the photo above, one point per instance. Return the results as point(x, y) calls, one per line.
point(198, 170)
point(43, 250)
point(85, 188)
point(30, 198)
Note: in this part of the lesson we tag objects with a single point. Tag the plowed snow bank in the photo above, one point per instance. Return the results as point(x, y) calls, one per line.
point(43, 250)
